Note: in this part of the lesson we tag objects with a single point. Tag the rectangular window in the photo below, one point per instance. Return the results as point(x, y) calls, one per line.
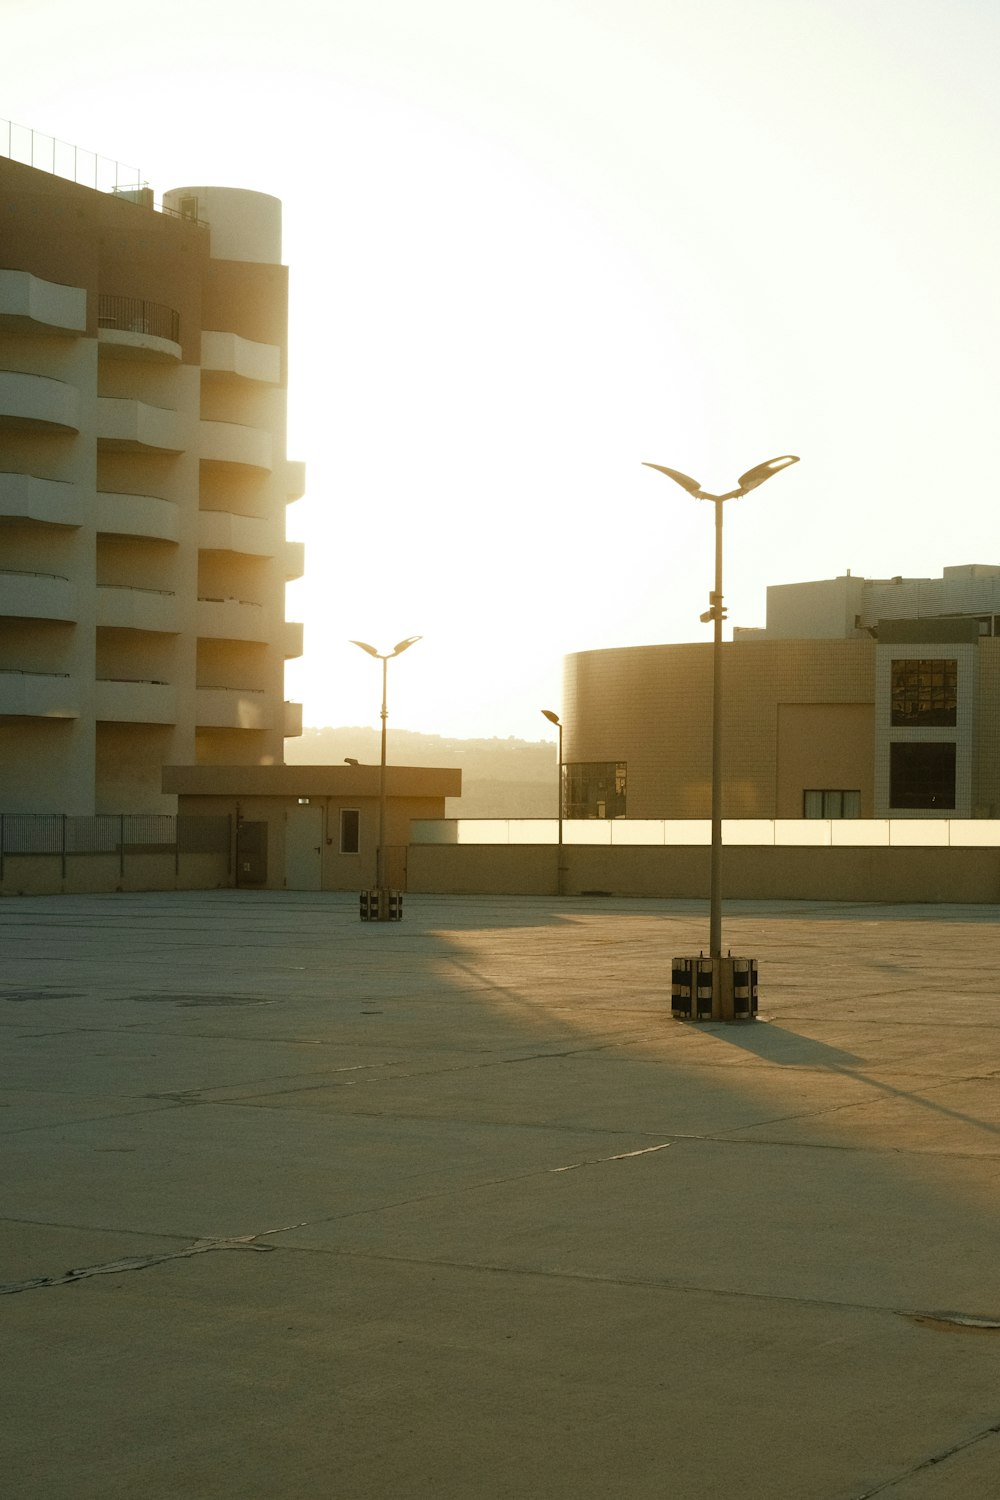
point(924, 692)
point(350, 830)
point(595, 789)
point(922, 775)
point(831, 804)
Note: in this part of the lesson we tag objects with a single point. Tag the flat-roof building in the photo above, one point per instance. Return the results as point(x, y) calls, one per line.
point(870, 698)
point(143, 487)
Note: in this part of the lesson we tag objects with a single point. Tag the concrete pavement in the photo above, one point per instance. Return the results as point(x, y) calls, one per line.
point(298, 1206)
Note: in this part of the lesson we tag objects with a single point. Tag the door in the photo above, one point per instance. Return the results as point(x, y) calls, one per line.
point(304, 847)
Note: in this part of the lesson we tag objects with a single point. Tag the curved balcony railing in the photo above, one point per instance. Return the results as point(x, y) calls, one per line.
point(30, 693)
point(135, 315)
point(29, 595)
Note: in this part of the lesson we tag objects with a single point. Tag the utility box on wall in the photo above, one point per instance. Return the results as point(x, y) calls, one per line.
point(251, 853)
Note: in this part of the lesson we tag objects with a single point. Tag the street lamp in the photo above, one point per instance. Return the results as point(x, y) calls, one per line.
point(384, 911)
point(721, 972)
point(553, 718)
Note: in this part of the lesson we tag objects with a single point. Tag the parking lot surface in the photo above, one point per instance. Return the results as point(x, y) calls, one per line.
point(294, 1205)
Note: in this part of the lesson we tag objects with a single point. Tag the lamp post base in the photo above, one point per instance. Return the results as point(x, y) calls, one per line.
point(381, 905)
point(713, 989)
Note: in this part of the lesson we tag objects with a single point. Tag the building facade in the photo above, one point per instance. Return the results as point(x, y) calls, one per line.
point(143, 488)
point(860, 699)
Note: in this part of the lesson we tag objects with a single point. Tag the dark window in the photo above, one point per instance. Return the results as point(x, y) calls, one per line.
point(924, 691)
point(831, 804)
point(594, 789)
point(350, 830)
point(922, 775)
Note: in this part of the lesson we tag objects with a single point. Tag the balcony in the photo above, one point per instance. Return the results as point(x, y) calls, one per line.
point(38, 695)
point(292, 720)
point(134, 427)
point(221, 531)
point(234, 443)
point(294, 560)
point(131, 328)
point(50, 502)
point(231, 620)
point(30, 305)
point(295, 480)
point(138, 515)
point(129, 701)
point(37, 596)
point(36, 403)
point(232, 708)
point(121, 607)
point(291, 639)
point(227, 354)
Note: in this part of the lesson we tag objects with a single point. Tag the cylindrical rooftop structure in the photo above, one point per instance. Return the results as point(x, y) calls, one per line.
point(245, 225)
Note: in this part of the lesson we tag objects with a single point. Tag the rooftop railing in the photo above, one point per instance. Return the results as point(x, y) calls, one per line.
point(46, 153)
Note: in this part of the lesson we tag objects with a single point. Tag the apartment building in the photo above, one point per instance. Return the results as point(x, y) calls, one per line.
point(143, 487)
point(861, 698)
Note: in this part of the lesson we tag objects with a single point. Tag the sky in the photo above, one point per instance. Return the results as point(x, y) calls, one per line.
point(536, 243)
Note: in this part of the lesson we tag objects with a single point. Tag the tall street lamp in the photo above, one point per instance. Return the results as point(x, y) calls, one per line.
point(553, 718)
point(722, 973)
point(384, 912)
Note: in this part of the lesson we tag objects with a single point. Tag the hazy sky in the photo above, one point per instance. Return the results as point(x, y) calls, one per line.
point(534, 243)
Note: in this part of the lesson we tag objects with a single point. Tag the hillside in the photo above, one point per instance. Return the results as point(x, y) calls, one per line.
point(500, 778)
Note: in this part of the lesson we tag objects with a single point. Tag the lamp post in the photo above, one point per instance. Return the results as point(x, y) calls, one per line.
point(716, 613)
point(384, 913)
point(553, 718)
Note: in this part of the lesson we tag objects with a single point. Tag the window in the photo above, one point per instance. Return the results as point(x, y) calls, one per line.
point(924, 692)
point(922, 774)
point(350, 830)
point(595, 789)
point(831, 804)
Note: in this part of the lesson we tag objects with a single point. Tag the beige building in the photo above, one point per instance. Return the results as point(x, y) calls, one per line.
point(311, 828)
point(861, 698)
point(143, 487)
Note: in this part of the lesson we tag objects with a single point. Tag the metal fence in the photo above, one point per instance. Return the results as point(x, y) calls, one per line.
point(33, 148)
point(136, 315)
point(46, 153)
point(123, 834)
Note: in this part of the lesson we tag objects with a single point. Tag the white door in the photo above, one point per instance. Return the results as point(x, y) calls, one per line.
point(304, 847)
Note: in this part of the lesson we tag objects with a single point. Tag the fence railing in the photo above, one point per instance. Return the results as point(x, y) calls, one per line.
point(33, 148)
point(124, 834)
point(135, 315)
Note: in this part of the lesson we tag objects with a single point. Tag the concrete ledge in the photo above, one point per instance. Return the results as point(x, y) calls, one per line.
point(749, 873)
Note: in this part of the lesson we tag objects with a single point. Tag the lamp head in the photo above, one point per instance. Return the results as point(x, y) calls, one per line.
point(685, 481)
point(553, 718)
point(365, 647)
point(755, 476)
point(405, 645)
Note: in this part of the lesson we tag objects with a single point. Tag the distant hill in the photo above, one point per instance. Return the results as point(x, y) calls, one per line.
point(500, 778)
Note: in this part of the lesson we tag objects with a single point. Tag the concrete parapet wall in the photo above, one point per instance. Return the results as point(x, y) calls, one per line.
point(42, 874)
point(749, 872)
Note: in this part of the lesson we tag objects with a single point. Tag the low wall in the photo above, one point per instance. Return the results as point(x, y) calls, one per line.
point(42, 874)
point(753, 873)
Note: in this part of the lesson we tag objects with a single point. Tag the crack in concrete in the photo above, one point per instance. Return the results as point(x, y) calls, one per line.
point(930, 1463)
point(953, 1322)
point(594, 1161)
point(142, 1262)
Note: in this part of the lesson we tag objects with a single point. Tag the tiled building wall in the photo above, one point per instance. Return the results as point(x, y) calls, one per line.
point(651, 706)
point(986, 776)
